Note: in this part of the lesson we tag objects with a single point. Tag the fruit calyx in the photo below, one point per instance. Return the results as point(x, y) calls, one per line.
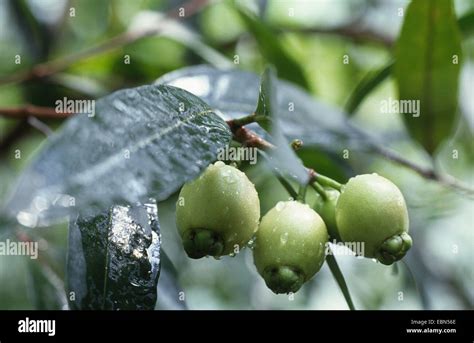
point(283, 279)
point(202, 242)
point(394, 248)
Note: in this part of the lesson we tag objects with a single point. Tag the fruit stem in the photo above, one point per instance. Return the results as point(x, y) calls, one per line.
point(289, 188)
point(251, 118)
point(327, 181)
point(302, 193)
point(284, 182)
point(318, 188)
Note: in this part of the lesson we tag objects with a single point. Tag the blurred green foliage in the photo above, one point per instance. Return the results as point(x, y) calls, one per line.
point(441, 219)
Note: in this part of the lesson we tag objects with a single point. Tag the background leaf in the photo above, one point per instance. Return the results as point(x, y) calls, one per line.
point(301, 116)
point(169, 290)
point(425, 71)
point(466, 23)
point(283, 159)
point(114, 259)
point(366, 86)
point(142, 142)
point(46, 288)
point(267, 97)
point(273, 50)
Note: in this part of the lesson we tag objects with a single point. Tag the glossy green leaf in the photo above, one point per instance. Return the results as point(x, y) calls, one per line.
point(142, 142)
point(114, 259)
point(425, 70)
point(273, 50)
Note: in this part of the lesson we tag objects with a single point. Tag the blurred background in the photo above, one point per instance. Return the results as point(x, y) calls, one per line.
point(437, 273)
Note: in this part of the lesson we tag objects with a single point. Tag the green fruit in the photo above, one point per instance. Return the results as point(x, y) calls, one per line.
point(218, 212)
point(327, 210)
point(372, 210)
point(290, 246)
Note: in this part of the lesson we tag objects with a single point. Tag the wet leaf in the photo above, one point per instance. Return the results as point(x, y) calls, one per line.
point(426, 69)
point(234, 93)
point(142, 142)
point(114, 259)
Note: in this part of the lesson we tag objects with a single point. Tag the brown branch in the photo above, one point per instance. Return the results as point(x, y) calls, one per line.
point(252, 139)
point(354, 32)
point(51, 67)
point(426, 173)
point(248, 137)
point(34, 111)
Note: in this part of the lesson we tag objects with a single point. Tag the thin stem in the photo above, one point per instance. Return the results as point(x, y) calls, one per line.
point(239, 122)
point(302, 193)
point(318, 188)
point(427, 173)
point(33, 111)
point(284, 182)
point(288, 187)
point(327, 181)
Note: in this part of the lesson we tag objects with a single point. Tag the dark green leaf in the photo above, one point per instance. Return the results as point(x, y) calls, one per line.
point(466, 23)
point(142, 142)
point(273, 50)
point(114, 259)
point(337, 274)
point(366, 86)
point(425, 71)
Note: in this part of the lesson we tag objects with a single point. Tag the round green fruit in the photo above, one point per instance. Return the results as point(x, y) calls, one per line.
point(290, 246)
point(371, 210)
point(327, 210)
point(218, 212)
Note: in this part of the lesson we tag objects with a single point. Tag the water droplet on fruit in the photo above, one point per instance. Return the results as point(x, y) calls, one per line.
point(280, 206)
point(284, 238)
point(251, 243)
